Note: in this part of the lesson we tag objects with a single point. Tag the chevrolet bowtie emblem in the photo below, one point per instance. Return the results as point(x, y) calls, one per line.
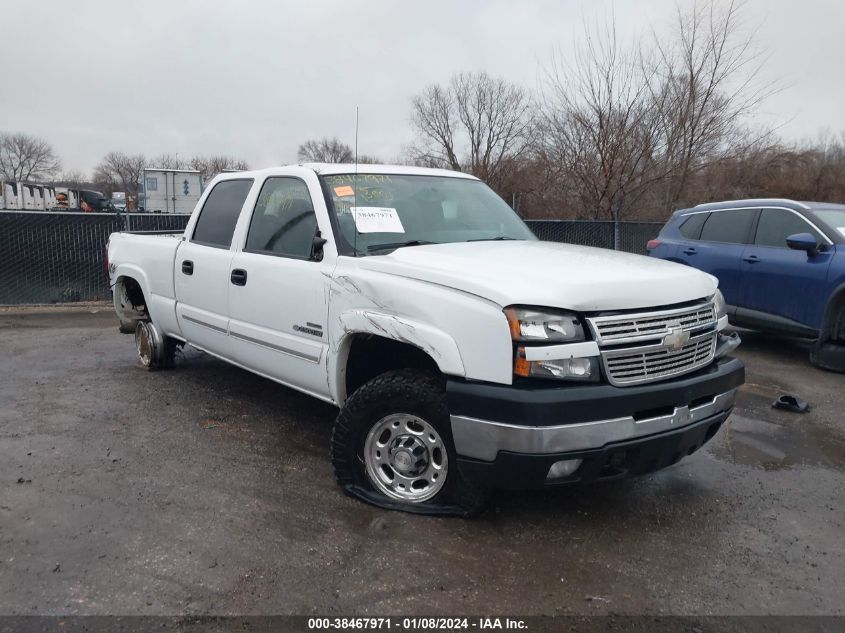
point(676, 339)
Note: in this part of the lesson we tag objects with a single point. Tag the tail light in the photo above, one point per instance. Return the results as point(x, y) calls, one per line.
point(652, 244)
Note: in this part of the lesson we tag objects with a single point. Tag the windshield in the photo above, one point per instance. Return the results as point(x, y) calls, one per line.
point(379, 212)
point(834, 218)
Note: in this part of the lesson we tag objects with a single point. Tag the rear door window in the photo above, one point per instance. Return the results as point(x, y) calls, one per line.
point(777, 224)
point(219, 214)
point(731, 226)
point(692, 224)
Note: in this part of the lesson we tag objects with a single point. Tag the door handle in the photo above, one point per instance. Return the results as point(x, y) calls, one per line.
point(751, 259)
point(689, 251)
point(188, 267)
point(238, 277)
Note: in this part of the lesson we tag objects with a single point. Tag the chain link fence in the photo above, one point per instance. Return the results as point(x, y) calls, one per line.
point(155, 221)
point(630, 237)
point(50, 257)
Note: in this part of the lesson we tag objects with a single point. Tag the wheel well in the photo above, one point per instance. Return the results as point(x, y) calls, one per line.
point(134, 293)
point(371, 356)
point(129, 303)
point(833, 326)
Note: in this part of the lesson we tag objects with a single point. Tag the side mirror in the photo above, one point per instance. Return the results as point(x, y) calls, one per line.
point(317, 247)
point(803, 242)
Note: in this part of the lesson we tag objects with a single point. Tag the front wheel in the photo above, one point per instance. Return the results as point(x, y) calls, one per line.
point(829, 351)
point(392, 446)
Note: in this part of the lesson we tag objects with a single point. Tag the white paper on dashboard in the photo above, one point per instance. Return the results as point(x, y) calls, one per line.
point(377, 220)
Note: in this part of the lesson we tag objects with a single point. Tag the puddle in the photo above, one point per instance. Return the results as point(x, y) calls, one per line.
point(770, 446)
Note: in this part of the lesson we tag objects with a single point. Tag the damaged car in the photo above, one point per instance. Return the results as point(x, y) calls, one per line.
point(464, 354)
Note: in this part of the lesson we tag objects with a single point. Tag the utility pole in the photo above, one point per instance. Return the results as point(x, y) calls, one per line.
point(617, 213)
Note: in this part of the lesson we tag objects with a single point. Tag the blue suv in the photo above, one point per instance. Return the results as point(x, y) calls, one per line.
point(780, 265)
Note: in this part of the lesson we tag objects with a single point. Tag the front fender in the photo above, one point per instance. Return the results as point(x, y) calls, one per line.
point(441, 347)
point(433, 341)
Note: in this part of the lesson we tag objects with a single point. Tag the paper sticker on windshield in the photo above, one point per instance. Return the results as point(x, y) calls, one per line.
point(841, 229)
point(377, 220)
point(346, 190)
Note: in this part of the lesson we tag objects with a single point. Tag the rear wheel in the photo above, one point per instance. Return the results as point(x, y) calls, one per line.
point(392, 446)
point(155, 351)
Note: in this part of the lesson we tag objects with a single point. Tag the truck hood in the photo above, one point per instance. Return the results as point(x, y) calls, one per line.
point(548, 274)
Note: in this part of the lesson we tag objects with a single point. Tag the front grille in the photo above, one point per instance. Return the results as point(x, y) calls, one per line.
point(655, 362)
point(629, 328)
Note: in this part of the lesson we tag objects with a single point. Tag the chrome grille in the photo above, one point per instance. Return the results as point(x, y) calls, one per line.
point(629, 328)
point(653, 362)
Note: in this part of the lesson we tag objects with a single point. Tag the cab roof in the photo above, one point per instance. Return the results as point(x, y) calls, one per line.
point(351, 168)
point(328, 169)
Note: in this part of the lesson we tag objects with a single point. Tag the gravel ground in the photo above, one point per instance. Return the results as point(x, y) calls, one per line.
point(207, 490)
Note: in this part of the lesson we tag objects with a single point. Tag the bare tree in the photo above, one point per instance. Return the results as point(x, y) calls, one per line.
point(24, 157)
point(435, 120)
point(325, 150)
point(121, 172)
point(705, 85)
point(331, 150)
point(599, 123)
point(366, 159)
point(210, 166)
point(477, 123)
point(628, 127)
point(70, 178)
point(169, 161)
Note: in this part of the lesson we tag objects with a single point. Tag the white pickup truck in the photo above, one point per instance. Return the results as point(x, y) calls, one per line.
point(463, 353)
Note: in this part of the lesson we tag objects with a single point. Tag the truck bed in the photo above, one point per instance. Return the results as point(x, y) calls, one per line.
point(152, 255)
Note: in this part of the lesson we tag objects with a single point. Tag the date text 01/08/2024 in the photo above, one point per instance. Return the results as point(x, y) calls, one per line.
point(416, 624)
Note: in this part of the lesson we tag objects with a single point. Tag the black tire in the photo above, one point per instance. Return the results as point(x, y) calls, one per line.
point(168, 356)
point(828, 355)
point(405, 391)
point(828, 352)
point(127, 327)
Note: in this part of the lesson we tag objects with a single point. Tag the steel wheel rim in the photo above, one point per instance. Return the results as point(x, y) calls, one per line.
point(144, 344)
point(406, 458)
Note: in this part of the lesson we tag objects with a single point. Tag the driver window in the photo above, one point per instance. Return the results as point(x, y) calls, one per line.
point(777, 224)
point(283, 222)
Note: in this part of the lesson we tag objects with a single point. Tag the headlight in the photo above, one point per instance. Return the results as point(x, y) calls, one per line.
point(583, 369)
point(531, 325)
point(719, 303)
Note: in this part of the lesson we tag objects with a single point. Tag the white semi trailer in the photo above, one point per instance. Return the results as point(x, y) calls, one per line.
point(171, 190)
point(30, 198)
point(24, 196)
point(50, 200)
point(10, 196)
point(67, 198)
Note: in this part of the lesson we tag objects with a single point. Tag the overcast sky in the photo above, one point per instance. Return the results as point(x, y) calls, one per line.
point(255, 79)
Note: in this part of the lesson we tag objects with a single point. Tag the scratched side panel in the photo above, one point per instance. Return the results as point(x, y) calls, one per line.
point(466, 335)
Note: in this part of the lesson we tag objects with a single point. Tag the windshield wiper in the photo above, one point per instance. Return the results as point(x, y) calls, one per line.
point(384, 247)
point(492, 239)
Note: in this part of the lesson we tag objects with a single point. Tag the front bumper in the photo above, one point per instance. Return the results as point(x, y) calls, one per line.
point(510, 436)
